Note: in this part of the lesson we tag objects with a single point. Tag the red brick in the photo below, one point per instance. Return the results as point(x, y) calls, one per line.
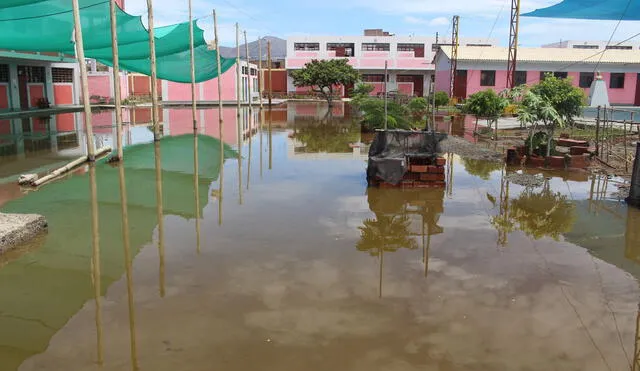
point(556, 162)
point(439, 184)
point(571, 143)
point(388, 185)
point(441, 161)
point(411, 176)
point(578, 150)
point(432, 177)
point(535, 161)
point(579, 161)
point(418, 168)
point(433, 169)
point(407, 184)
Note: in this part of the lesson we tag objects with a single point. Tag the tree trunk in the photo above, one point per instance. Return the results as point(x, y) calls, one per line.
point(330, 97)
point(549, 139)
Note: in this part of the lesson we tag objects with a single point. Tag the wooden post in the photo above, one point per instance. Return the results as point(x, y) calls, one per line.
point(220, 116)
point(154, 77)
point(86, 102)
point(196, 187)
point(193, 69)
point(386, 77)
point(270, 138)
point(269, 65)
point(116, 79)
point(126, 243)
point(260, 75)
point(238, 116)
point(626, 164)
point(246, 46)
point(95, 260)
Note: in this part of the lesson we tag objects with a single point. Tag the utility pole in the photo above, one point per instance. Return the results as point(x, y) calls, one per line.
point(454, 54)
point(260, 75)
point(513, 44)
point(269, 63)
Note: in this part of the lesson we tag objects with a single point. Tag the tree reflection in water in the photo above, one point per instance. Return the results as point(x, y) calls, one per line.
point(397, 211)
point(538, 214)
point(329, 134)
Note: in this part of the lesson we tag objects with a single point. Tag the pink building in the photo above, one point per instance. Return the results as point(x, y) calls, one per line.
point(409, 58)
point(486, 68)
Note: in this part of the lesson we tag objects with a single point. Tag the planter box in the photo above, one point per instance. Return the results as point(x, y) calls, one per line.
point(556, 162)
point(433, 169)
point(575, 150)
point(535, 161)
point(571, 143)
point(432, 177)
point(580, 161)
point(419, 168)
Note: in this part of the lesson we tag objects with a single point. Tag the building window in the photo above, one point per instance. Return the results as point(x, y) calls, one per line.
point(4, 73)
point(405, 78)
point(520, 78)
point(586, 78)
point(35, 74)
point(342, 49)
point(375, 47)
point(254, 72)
point(487, 78)
point(62, 75)
point(616, 81)
point(482, 45)
point(585, 46)
point(619, 47)
point(560, 75)
point(307, 47)
point(435, 47)
point(417, 49)
point(373, 78)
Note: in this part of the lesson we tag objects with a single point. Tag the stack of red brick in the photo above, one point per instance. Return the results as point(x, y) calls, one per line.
point(423, 173)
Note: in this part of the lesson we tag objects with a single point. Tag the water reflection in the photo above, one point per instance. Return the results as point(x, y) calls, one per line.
point(96, 276)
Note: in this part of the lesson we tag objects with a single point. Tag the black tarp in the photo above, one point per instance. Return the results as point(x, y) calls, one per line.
point(634, 192)
point(389, 151)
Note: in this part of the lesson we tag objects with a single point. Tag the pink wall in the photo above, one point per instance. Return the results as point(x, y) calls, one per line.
point(405, 88)
point(63, 93)
point(124, 87)
point(296, 62)
point(406, 54)
point(375, 54)
point(36, 91)
point(378, 87)
point(442, 81)
point(4, 96)
point(412, 63)
point(100, 85)
point(308, 54)
point(625, 95)
point(473, 82)
point(373, 62)
point(102, 122)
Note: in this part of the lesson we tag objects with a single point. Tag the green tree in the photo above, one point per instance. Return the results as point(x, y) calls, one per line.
point(481, 168)
point(388, 233)
point(442, 99)
point(373, 114)
point(486, 104)
point(329, 137)
point(565, 98)
point(419, 108)
point(323, 75)
point(535, 109)
point(542, 214)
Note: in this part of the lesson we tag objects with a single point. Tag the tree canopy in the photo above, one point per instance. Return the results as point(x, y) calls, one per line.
point(565, 98)
point(486, 104)
point(322, 76)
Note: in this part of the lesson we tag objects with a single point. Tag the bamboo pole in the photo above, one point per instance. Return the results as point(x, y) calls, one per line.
point(86, 102)
point(270, 138)
point(117, 97)
point(154, 77)
point(159, 215)
point(68, 167)
point(261, 145)
point(260, 75)
point(269, 65)
point(95, 260)
point(126, 243)
point(238, 115)
point(220, 116)
point(193, 69)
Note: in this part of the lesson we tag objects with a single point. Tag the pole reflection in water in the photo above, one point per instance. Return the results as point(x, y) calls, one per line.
point(95, 260)
point(240, 134)
point(250, 145)
point(126, 243)
point(270, 138)
point(159, 213)
point(261, 148)
point(196, 188)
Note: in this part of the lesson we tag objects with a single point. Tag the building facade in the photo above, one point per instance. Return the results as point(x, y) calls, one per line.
point(595, 45)
point(409, 58)
point(486, 68)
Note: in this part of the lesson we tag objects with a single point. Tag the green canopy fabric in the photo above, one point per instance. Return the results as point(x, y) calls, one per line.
point(47, 26)
point(43, 289)
point(625, 10)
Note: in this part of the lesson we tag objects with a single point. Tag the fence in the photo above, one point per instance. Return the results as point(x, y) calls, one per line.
point(616, 132)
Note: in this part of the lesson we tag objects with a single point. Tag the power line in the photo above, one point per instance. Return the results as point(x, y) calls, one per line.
point(613, 33)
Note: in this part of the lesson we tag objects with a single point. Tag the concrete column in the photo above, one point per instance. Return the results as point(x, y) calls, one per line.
point(48, 84)
point(165, 90)
point(16, 131)
point(53, 134)
point(76, 84)
point(14, 92)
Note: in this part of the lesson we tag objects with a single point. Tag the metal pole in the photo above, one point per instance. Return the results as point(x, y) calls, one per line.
point(238, 108)
point(193, 69)
point(91, 150)
point(269, 63)
point(626, 164)
point(196, 188)
point(260, 75)
point(386, 78)
point(154, 77)
point(116, 79)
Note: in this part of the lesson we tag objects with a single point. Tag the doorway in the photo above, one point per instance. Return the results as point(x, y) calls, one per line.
point(460, 87)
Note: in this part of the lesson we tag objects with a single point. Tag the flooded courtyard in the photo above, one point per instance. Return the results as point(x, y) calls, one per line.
point(285, 260)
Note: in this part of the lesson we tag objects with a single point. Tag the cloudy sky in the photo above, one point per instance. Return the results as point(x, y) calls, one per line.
point(283, 18)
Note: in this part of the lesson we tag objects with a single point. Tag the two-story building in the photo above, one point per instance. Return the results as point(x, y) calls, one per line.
point(409, 58)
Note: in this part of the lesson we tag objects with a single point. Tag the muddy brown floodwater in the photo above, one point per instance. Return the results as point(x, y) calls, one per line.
point(313, 271)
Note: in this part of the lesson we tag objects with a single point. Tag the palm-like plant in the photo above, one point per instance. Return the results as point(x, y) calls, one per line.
point(386, 233)
point(535, 109)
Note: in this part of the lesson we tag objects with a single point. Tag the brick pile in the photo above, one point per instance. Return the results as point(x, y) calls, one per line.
point(422, 173)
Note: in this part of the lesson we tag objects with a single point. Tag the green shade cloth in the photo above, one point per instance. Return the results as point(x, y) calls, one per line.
point(626, 10)
point(47, 26)
point(40, 291)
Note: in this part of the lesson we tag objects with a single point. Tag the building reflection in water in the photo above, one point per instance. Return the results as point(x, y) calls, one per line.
point(394, 227)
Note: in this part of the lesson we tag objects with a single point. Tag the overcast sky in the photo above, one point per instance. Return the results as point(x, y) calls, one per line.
point(283, 18)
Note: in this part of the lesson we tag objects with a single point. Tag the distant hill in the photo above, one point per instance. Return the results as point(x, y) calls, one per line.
point(278, 49)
